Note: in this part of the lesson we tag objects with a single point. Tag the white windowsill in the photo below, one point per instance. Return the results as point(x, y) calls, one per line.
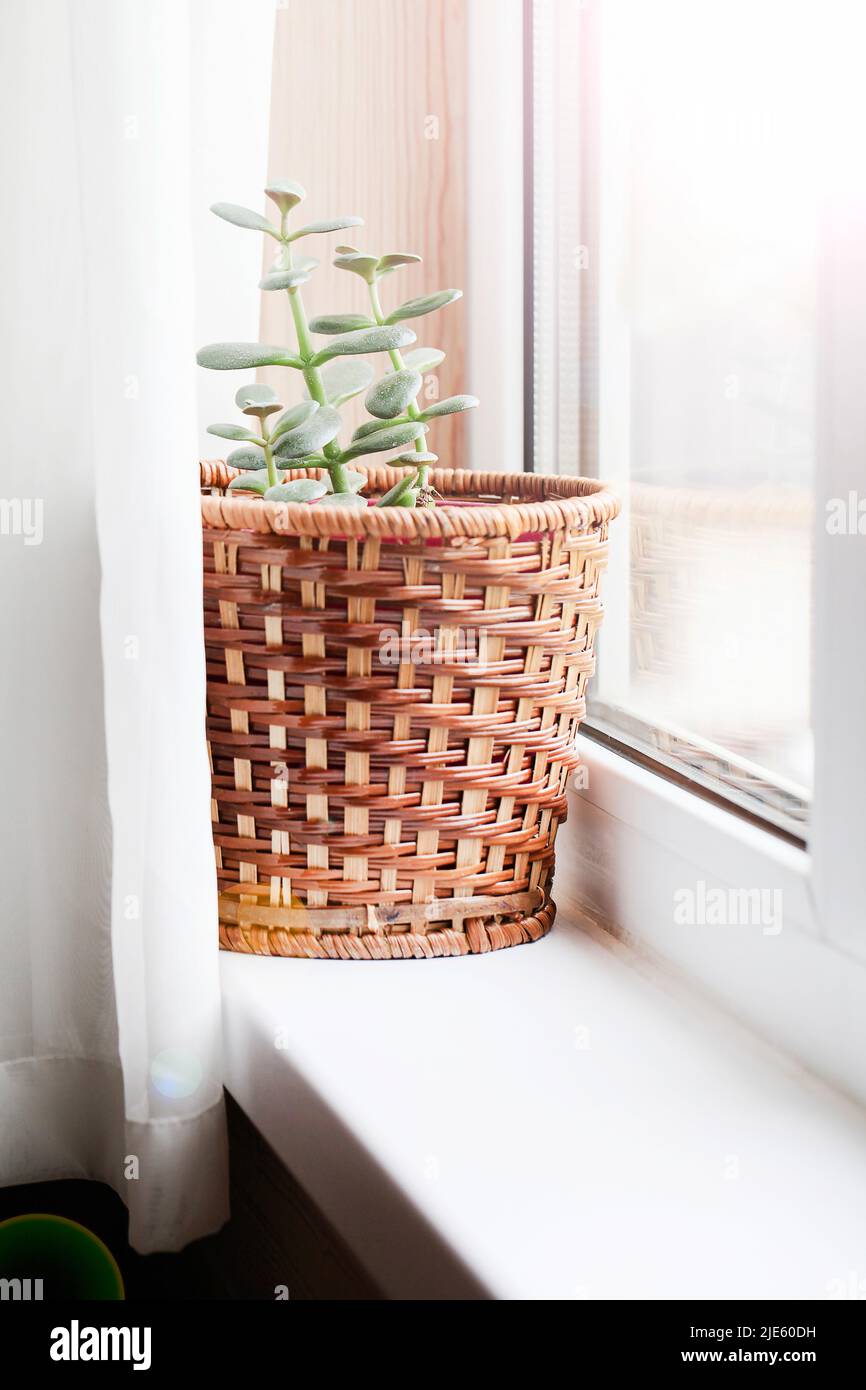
point(633, 841)
point(553, 1121)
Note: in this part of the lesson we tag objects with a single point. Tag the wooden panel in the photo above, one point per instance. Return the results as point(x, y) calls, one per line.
point(368, 113)
point(277, 1236)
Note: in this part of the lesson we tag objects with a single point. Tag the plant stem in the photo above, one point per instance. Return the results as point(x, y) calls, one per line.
point(399, 365)
point(269, 460)
point(312, 375)
point(396, 358)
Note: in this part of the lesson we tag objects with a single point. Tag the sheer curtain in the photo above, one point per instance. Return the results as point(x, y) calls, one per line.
point(124, 119)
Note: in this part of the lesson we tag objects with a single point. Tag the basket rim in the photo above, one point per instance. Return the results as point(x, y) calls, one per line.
point(552, 502)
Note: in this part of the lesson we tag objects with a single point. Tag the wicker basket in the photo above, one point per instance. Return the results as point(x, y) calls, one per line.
point(393, 697)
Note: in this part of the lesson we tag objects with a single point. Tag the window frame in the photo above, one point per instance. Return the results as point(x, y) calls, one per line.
point(633, 836)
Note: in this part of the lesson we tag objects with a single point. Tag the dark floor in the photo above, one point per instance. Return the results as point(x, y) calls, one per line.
point(277, 1237)
point(189, 1275)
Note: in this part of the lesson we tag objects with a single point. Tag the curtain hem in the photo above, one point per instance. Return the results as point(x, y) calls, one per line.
point(69, 1123)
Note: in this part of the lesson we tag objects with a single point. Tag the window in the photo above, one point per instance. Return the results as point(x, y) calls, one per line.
point(675, 153)
point(697, 217)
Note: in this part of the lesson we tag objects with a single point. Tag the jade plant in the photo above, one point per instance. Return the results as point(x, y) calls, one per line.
point(306, 434)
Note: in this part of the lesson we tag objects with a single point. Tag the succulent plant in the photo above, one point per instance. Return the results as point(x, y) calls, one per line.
point(306, 435)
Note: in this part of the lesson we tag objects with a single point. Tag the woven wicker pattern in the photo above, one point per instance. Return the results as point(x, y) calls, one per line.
point(393, 697)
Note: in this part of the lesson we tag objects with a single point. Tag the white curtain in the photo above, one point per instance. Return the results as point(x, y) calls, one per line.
point(123, 120)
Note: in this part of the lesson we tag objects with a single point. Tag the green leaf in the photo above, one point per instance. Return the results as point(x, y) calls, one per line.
point(248, 457)
point(450, 406)
point(354, 481)
point(257, 394)
point(330, 224)
point(366, 340)
point(345, 378)
point(400, 488)
point(390, 396)
point(233, 432)
point(234, 357)
point(306, 263)
point(416, 456)
point(257, 400)
point(315, 432)
point(285, 194)
point(300, 490)
point(341, 323)
point(358, 263)
point(373, 426)
point(291, 418)
point(249, 482)
point(392, 437)
point(426, 304)
point(406, 499)
point(344, 499)
point(284, 279)
point(244, 217)
point(396, 259)
point(423, 359)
